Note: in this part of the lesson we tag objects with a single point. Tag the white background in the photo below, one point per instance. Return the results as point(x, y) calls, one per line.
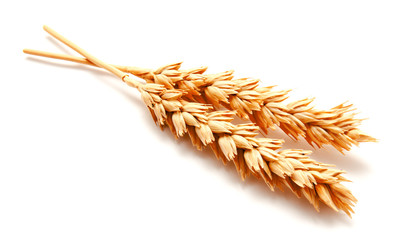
point(80, 157)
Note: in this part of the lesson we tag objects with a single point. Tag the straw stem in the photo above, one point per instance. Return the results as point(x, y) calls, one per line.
point(84, 53)
point(132, 69)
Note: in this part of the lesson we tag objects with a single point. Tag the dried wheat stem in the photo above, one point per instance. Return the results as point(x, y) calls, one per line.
point(122, 75)
point(138, 71)
point(90, 57)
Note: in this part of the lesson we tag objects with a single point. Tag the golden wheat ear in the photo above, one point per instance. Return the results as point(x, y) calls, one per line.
point(260, 157)
point(262, 105)
point(337, 126)
point(237, 143)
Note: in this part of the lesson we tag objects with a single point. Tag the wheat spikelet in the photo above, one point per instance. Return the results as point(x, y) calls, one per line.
point(239, 144)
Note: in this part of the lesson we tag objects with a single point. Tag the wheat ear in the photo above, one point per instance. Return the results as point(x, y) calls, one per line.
point(237, 143)
point(262, 105)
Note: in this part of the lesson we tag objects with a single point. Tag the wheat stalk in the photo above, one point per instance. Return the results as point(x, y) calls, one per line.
point(237, 143)
point(262, 105)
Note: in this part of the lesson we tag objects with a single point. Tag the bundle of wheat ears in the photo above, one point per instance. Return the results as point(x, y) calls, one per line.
point(188, 102)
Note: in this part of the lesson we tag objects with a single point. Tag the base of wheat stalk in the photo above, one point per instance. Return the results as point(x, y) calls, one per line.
point(239, 143)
